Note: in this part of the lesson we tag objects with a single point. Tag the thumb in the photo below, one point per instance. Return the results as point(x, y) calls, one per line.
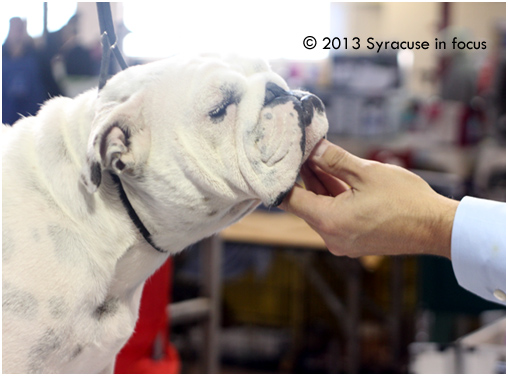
point(337, 162)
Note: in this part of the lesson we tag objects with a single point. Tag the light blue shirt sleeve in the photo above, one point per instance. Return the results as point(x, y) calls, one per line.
point(478, 248)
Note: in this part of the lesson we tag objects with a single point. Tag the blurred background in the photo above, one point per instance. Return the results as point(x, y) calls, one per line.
point(277, 305)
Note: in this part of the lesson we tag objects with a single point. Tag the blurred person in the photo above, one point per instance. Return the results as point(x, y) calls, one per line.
point(361, 207)
point(27, 80)
point(63, 44)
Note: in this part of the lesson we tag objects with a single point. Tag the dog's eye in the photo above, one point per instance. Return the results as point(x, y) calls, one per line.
point(230, 95)
point(220, 111)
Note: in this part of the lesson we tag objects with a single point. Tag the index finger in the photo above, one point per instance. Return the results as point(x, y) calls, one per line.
point(306, 205)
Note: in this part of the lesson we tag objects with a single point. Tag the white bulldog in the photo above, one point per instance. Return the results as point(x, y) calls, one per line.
point(197, 143)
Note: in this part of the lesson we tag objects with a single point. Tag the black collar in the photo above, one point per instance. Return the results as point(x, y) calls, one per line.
point(132, 214)
point(108, 39)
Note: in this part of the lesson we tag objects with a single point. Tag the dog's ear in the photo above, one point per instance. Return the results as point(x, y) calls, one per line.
point(118, 142)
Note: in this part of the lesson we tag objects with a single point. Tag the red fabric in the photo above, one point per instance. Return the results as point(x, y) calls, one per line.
point(136, 356)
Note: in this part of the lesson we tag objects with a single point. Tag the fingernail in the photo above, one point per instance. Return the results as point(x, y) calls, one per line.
point(319, 149)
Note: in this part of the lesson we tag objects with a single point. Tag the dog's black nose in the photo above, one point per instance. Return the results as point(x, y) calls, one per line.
point(311, 103)
point(273, 91)
point(315, 102)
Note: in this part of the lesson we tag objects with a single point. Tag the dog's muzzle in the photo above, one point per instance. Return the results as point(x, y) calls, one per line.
point(305, 104)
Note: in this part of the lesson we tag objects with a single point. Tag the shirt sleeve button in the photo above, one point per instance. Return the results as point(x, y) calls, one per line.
point(500, 295)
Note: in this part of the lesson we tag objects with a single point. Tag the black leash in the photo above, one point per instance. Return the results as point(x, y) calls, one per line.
point(108, 40)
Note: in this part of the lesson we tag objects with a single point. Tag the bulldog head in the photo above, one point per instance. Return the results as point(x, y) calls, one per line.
point(218, 135)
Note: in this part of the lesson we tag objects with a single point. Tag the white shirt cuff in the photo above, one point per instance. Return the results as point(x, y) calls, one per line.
point(478, 248)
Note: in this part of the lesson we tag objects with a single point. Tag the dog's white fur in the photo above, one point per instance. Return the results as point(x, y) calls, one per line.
point(74, 264)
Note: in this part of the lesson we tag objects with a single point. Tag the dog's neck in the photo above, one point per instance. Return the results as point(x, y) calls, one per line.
point(178, 211)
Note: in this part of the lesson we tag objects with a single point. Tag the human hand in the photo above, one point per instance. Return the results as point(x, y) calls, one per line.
point(362, 207)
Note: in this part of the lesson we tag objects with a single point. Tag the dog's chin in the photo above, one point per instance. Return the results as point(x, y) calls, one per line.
point(279, 198)
point(314, 133)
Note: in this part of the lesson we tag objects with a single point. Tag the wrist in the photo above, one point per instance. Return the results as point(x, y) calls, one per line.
point(440, 234)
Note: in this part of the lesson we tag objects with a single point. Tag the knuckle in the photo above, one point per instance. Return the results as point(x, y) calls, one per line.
point(367, 168)
point(336, 160)
point(375, 165)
